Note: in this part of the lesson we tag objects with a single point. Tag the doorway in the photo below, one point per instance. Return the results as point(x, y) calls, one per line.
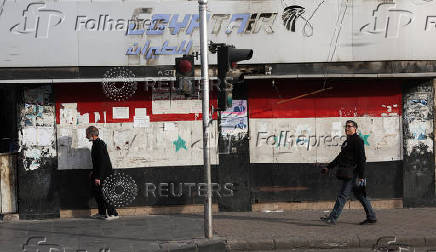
point(8, 149)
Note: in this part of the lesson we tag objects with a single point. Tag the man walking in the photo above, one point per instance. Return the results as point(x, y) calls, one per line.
point(350, 165)
point(101, 168)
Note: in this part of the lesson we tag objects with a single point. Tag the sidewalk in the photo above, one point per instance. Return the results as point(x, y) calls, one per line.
point(303, 229)
point(234, 231)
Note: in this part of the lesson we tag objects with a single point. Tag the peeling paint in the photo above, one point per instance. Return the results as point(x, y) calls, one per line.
point(83, 118)
point(337, 129)
point(419, 125)
point(33, 153)
point(320, 138)
point(32, 159)
point(419, 129)
point(131, 147)
point(418, 140)
point(303, 129)
point(390, 110)
point(37, 128)
point(38, 136)
point(169, 126)
point(68, 113)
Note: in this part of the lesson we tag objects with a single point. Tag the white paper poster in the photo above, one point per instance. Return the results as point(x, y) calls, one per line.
point(234, 120)
point(141, 112)
point(120, 112)
point(141, 122)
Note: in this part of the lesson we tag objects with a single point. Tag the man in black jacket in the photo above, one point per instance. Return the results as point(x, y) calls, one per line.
point(101, 169)
point(351, 169)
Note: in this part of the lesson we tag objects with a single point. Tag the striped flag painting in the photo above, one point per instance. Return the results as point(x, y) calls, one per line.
point(146, 130)
point(303, 121)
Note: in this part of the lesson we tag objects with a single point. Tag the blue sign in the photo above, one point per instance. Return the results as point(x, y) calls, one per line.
point(151, 52)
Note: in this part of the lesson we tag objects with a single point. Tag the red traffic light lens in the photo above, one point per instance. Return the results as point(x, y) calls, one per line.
point(184, 66)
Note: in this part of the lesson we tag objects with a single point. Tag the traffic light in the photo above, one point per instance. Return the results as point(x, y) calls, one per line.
point(228, 56)
point(185, 74)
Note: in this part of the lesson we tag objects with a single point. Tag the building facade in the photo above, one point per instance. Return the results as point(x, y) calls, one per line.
point(67, 65)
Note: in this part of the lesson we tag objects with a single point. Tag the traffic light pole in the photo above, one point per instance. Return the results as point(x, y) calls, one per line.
point(205, 110)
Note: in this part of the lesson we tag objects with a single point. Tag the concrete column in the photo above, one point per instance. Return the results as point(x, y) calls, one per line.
point(234, 164)
point(434, 127)
point(38, 193)
point(418, 143)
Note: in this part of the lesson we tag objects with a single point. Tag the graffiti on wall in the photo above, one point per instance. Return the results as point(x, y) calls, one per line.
point(179, 144)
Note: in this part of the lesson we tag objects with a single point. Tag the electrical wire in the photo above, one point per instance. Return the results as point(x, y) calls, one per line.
point(337, 32)
point(2, 6)
point(308, 21)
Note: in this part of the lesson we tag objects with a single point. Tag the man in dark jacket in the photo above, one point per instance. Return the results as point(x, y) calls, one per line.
point(101, 169)
point(351, 169)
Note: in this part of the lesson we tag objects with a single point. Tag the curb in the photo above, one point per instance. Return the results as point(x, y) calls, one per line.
point(195, 245)
point(220, 244)
point(283, 244)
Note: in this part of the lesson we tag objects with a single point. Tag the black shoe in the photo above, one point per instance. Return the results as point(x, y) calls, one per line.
point(368, 222)
point(328, 220)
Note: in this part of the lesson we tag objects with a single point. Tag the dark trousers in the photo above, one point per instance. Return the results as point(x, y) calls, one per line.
point(102, 204)
point(348, 186)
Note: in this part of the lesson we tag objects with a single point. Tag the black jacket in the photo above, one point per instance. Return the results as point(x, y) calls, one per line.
point(352, 155)
point(101, 163)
